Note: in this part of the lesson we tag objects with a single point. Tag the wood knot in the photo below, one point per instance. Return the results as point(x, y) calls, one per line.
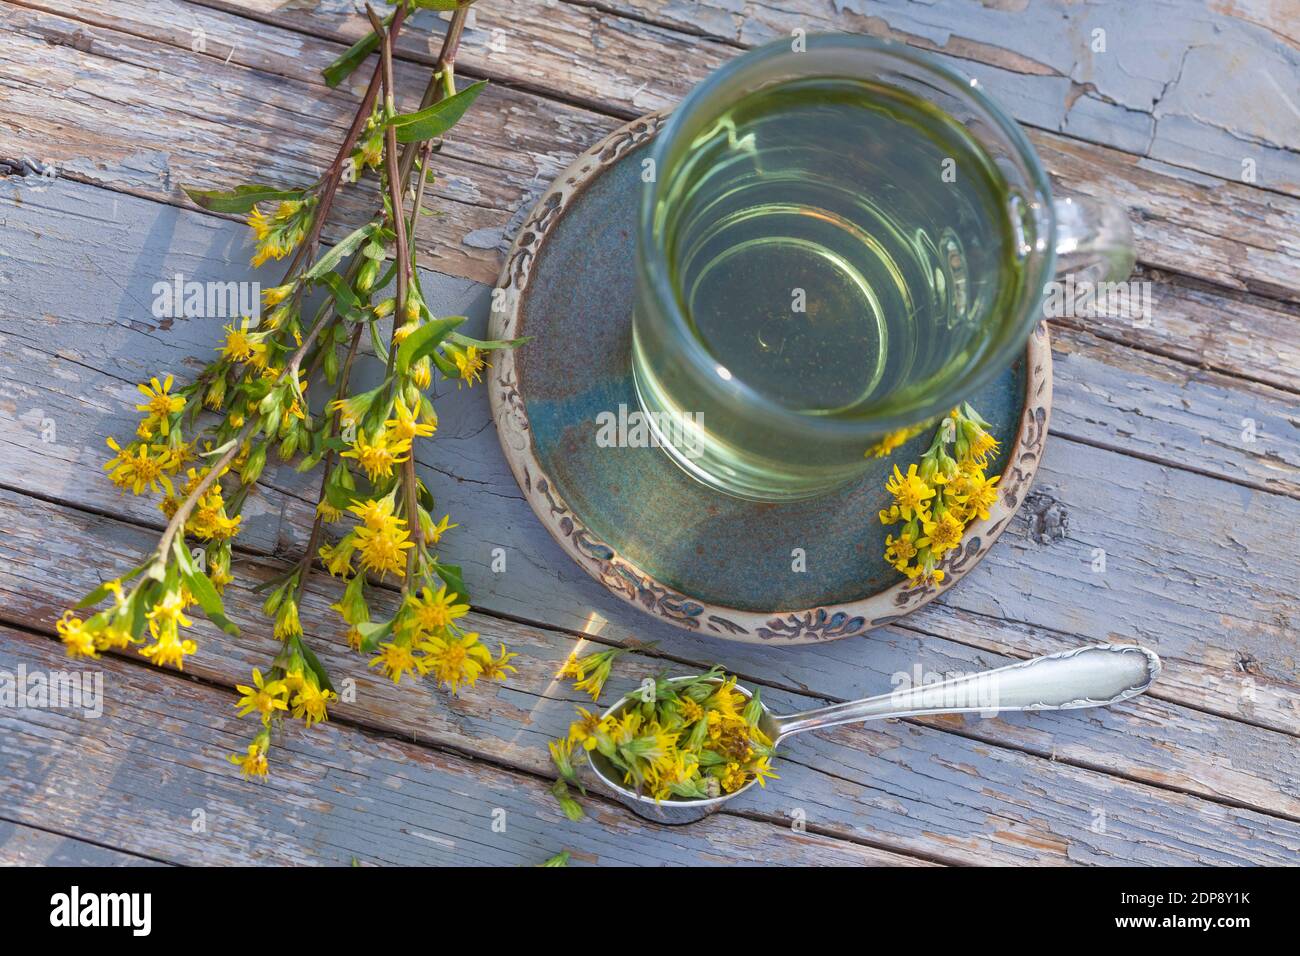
point(1048, 519)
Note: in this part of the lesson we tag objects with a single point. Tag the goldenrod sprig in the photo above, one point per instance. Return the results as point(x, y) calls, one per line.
point(258, 389)
point(937, 500)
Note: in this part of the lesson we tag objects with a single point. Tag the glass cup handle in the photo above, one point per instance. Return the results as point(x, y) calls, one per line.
point(1094, 241)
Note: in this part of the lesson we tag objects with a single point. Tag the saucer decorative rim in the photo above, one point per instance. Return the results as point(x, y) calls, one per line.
point(623, 578)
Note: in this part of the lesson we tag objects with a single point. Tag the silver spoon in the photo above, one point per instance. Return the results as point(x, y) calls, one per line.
point(1093, 676)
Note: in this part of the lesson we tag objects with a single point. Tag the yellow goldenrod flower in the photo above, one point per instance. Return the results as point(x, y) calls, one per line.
point(469, 362)
point(584, 729)
point(981, 495)
point(286, 620)
point(395, 659)
point(434, 612)
point(278, 235)
point(384, 550)
point(168, 648)
point(942, 534)
point(253, 762)
point(170, 612)
point(265, 698)
point(591, 672)
point(454, 661)
point(691, 711)
point(114, 637)
point(499, 667)
point(160, 405)
point(140, 466)
point(422, 373)
point(309, 704)
point(377, 456)
point(377, 515)
point(240, 344)
point(762, 771)
point(436, 531)
point(909, 491)
point(733, 778)
point(892, 441)
point(276, 294)
point(259, 223)
point(900, 550)
point(562, 757)
point(77, 639)
point(337, 558)
point(405, 427)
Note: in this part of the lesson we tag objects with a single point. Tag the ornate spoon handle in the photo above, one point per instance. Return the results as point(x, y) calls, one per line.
point(1085, 677)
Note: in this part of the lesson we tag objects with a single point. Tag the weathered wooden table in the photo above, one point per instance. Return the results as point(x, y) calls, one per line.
point(1165, 512)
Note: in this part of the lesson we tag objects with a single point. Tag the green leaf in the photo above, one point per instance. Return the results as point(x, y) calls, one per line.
point(241, 199)
point(144, 599)
point(490, 344)
point(377, 342)
point(201, 586)
point(337, 493)
point(424, 340)
point(342, 249)
point(342, 68)
point(451, 576)
point(389, 275)
point(349, 306)
point(438, 118)
point(101, 592)
point(275, 582)
point(440, 4)
point(314, 663)
point(372, 633)
point(205, 593)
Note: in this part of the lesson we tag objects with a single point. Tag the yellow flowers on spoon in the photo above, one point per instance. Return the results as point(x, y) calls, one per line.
point(684, 738)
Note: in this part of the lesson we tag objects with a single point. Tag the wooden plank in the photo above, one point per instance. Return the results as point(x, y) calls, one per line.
point(88, 393)
point(1162, 410)
point(1247, 336)
point(885, 777)
point(1158, 79)
point(150, 775)
point(511, 145)
point(28, 846)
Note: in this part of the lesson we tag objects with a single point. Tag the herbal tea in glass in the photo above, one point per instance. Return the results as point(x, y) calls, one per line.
point(836, 243)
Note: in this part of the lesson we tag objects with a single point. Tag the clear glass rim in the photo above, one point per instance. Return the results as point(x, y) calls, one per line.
point(654, 268)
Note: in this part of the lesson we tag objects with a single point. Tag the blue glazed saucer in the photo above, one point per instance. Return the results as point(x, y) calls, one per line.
point(787, 573)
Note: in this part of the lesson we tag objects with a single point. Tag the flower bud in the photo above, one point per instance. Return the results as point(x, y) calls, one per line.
point(367, 274)
point(252, 469)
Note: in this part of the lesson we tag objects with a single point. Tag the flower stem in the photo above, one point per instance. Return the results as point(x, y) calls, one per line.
point(396, 186)
point(305, 568)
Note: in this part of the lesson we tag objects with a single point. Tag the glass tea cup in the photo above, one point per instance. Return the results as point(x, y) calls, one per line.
point(840, 238)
